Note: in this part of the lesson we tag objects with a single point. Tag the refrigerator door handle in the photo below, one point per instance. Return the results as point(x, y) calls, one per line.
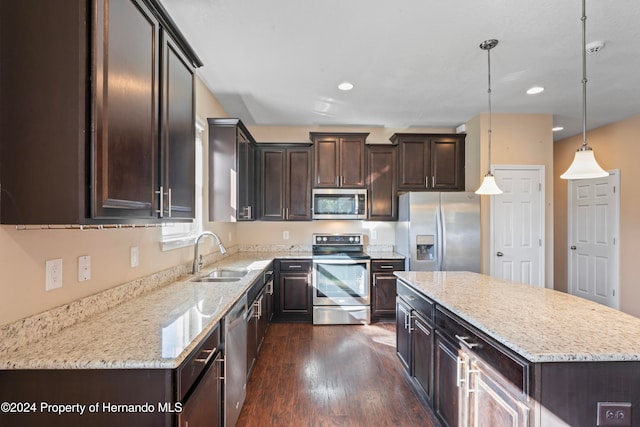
point(443, 240)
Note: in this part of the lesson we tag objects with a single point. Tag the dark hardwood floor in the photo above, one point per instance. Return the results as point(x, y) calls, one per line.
point(331, 376)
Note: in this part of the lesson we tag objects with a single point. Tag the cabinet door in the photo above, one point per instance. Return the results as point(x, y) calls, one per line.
point(382, 164)
point(492, 400)
point(204, 407)
point(126, 110)
point(351, 162)
point(383, 294)
point(414, 167)
point(422, 353)
point(403, 334)
point(445, 384)
point(273, 161)
point(447, 163)
point(295, 295)
point(327, 150)
point(246, 176)
point(298, 184)
point(177, 133)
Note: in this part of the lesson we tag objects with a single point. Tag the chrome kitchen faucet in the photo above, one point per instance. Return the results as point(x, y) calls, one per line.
point(197, 263)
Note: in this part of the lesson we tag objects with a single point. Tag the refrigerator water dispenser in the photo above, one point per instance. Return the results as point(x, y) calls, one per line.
point(425, 247)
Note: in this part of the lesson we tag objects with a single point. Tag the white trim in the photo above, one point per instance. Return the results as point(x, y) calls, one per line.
point(542, 237)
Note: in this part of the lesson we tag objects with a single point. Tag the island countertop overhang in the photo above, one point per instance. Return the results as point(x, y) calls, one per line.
point(541, 325)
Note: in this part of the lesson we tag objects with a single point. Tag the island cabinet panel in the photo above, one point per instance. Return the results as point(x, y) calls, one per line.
point(403, 334)
point(430, 161)
point(293, 291)
point(445, 381)
point(110, 136)
point(339, 160)
point(382, 167)
point(422, 342)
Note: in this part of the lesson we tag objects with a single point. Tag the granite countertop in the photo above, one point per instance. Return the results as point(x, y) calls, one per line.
point(542, 325)
point(156, 330)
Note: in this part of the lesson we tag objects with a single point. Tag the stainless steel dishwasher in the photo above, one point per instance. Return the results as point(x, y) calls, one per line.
point(235, 361)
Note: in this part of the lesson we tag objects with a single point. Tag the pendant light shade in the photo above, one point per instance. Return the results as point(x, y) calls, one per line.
point(489, 186)
point(584, 164)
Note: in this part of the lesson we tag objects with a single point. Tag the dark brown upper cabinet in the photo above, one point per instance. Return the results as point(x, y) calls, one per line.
point(382, 166)
point(232, 171)
point(285, 184)
point(430, 161)
point(339, 160)
point(101, 124)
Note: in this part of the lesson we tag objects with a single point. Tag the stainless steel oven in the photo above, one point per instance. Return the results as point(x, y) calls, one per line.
point(341, 286)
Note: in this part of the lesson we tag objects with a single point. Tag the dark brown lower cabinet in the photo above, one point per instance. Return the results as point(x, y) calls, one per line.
point(383, 287)
point(445, 386)
point(200, 409)
point(293, 291)
point(403, 334)
point(422, 353)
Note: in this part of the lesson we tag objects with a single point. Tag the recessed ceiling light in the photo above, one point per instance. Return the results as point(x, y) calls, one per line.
point(535, 90)
point(557, 128)
point(345, 86)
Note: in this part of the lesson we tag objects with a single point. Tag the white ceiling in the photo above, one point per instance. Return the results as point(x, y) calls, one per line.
point(414, 63)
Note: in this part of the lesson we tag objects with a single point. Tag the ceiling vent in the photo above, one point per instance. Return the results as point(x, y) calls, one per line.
point(594, 47)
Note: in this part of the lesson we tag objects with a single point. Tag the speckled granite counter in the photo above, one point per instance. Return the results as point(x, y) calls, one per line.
point(155, 330)
point(542, 325)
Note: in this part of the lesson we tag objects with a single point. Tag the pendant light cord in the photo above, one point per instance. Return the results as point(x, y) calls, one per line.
point(584, 74)
point(489, 95)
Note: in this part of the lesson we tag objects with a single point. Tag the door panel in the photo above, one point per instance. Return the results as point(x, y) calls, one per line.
point(518, 225)
point(593, 232)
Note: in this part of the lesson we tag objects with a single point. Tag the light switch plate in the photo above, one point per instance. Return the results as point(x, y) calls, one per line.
point(285, 235)
point(84, 268)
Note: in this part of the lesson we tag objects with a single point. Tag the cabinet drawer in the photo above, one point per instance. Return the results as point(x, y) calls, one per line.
point(295, 265)
point(511, 366)
point(381, 266)
point(193, 366)
point(418, 302)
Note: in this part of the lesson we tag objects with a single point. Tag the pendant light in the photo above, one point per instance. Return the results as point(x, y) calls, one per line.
point(489, 186)
point(584, 164)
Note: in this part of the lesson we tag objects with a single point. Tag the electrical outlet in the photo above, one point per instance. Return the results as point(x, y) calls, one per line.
point(374, 235)
point(285, 235)
point(84, 268)
point(614, 414)
point(134, 256)
point(53, 274)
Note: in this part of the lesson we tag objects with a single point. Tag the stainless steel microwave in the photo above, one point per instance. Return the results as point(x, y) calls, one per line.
point(339, 203)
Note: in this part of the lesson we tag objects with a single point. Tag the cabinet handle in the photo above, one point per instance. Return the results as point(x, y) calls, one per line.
point(295, 266)
point(463, 340)
point(433, 182)
point(386, 266)
point(250, 216)
point(287, 216)
point(205, 361)
point(426, 182)
point(459, 363)
point(160, 194)
point(169, 194)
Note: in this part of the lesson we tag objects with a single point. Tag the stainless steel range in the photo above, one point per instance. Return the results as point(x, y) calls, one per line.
point(341, 271)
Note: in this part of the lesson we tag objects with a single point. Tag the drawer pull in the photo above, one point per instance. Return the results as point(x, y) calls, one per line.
point(386, 266)
point(463, 340)
point(459, 363)
point(295, 266)
point(205, 361)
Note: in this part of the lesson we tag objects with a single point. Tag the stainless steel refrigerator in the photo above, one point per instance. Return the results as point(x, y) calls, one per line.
point(439, 231)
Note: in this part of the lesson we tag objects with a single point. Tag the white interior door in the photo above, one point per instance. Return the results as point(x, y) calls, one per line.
point(517, 246)
point(593, 238)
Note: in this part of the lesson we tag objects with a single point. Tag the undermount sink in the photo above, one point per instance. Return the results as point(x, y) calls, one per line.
point(221, 275)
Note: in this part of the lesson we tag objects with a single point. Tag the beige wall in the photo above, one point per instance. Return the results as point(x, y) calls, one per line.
point(517, 139)
point(616, 147)
point(23, 254)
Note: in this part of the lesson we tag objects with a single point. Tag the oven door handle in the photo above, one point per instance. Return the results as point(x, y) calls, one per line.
point(367, 262)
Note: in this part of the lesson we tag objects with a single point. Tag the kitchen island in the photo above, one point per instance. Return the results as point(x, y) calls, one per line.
point(481, 349)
